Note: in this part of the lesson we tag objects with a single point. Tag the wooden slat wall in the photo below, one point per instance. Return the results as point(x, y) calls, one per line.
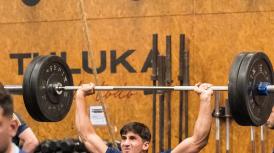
point(217, 30)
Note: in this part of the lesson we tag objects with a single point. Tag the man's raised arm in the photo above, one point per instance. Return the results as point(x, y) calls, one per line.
point(84, 127)
point(199, 139)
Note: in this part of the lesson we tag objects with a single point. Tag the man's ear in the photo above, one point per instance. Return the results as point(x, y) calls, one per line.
point(13, 127)
point(146, 145)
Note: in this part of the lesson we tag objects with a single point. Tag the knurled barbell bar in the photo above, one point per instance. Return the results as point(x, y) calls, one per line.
point(48, 88)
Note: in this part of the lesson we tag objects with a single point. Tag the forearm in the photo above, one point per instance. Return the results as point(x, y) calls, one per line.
point(83, 124)
point(200, 135)
point(85, 129)
point(199, 139)
point(30, 146)
point(203, 124)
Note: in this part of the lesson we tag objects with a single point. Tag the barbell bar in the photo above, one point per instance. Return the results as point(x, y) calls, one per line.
point(175, 88)
point(48, 88)
point(17, 89)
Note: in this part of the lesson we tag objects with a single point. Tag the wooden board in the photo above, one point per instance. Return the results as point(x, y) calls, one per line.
point(126, 28)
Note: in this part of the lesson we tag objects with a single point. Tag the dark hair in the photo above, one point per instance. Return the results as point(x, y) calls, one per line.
point(6, 102)
point(138, 128)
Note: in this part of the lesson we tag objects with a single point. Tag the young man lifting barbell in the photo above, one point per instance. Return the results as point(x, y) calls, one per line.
point(135, 137)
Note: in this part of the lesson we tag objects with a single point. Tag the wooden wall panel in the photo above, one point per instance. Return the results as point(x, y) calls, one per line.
point(117, 27)
point(56, 10)
point(137, 8)
point(232, 6)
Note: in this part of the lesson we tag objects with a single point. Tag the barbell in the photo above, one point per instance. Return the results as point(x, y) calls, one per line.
point(48, 88)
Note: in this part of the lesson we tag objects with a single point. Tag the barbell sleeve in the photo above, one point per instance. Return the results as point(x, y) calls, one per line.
point(270, 88)
point(14, 89)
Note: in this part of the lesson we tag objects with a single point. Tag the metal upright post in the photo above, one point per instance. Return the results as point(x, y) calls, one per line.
point(168, 83)
point(154, 82)
point(161, 77)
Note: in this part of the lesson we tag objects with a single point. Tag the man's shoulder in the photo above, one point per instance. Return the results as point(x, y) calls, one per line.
point(112, 150)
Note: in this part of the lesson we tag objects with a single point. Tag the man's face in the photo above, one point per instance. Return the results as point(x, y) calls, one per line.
point(133, 143)
point(8, 129)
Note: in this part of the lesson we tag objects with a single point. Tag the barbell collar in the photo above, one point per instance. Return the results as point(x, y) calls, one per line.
point(264, 88)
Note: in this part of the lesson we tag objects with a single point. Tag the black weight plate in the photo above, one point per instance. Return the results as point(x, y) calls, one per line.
point(50, 106)
point(241, 115)
point(255, 108)
point(233, 96)
point(27, 89)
